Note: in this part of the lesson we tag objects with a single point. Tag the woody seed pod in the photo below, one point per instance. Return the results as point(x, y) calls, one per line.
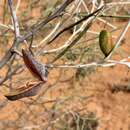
point(24, 91)
point(37, 69)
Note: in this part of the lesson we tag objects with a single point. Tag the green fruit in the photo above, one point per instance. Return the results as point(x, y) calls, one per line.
point(105, 42)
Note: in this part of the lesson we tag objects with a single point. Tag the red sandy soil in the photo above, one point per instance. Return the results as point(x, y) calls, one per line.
point(111, 108)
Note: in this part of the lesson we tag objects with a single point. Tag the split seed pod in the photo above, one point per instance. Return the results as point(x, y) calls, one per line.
point(38, 70)
point(25, 91)
point(105, 42)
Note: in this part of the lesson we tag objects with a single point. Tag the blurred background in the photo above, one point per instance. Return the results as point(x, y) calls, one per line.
point(89, 98)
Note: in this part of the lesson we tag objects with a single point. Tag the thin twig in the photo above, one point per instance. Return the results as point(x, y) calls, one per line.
point(74, 24)
point(15, 20)
point(118, 42)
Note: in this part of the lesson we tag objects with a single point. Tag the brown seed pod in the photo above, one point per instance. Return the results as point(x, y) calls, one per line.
point(38, 70)
point(25, 91)
point(105, 42)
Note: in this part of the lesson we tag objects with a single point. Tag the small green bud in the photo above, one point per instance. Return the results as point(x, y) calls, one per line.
point(105, 42)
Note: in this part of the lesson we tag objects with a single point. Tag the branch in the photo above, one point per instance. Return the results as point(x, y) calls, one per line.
point(9, 54)
point(56, 14)
point(107, 63)
point(83, 31)
point(16, 42)
point(10, 74)
point(15, 20)
point(73, 42)
point(74, 24)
